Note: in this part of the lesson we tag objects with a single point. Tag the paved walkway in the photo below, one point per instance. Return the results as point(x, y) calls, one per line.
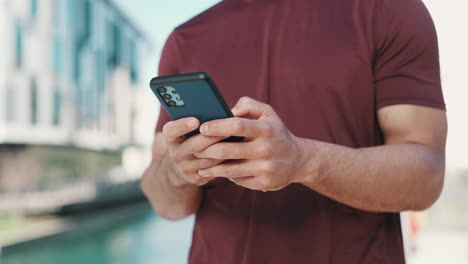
point(441, 247)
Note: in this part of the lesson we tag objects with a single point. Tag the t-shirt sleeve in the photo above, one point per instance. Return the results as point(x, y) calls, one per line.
point(406, 64)
point(168, 65)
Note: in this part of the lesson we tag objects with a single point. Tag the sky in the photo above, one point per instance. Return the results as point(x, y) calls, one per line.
point(159, 17)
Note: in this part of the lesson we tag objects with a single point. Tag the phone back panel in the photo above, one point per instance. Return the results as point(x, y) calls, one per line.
point(200, 97)
point(199, 101)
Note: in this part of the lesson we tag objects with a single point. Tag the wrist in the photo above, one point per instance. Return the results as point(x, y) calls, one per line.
point(308, 162)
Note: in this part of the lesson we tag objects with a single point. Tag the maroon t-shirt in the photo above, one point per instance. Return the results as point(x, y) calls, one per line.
point(326, 66)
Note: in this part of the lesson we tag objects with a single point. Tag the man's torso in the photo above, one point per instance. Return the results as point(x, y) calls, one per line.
point(313, 62)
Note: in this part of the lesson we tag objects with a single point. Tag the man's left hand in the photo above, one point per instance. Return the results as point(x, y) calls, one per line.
point(268, 159)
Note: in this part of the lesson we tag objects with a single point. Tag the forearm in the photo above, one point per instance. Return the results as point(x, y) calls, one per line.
point(388, 178)
point(169, 197)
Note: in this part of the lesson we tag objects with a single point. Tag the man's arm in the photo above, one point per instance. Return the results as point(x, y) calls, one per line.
point(171, 182)
point(404, 174)
point(169, 199)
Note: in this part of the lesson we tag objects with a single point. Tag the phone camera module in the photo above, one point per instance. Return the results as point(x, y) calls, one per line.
point(167, 96)
point(162, 89)
point(172, 103)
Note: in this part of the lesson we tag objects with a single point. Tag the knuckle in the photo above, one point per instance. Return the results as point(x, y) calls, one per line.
point(192, 145)
point(264, 183)
point(192, 148)
point(238, 125)
point(265, 151)
point(269, 108)
point(228, 173)
point(244, 99)
point(267, 130)
point(249, 104)
point(268, 168)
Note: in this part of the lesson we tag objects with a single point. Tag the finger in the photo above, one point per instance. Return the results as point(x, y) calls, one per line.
point(239, 150)
point(174, 130)
point(204, 163)
point(204, 181)
point(231, 170)
point(255, 183)
point(195, 180)
point(250, 108)
point(200, 181)
point(188, 171)
point(188, 166)
point(235, 127)
point(197, 143)
point(237, 180)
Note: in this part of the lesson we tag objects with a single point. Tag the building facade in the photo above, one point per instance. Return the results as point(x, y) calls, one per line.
point(69, 73)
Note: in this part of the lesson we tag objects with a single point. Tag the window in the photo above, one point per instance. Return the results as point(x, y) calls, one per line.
point(57, 55)
point(57, 101)
point(100, 71)
point(133, 62)
point(101, 84)
point(84, 19)
point(77, 63)
point(34, 8)
point(114, 44)
point(18, 46)
point(10, 105)
point(34, 102)
point(88, 22)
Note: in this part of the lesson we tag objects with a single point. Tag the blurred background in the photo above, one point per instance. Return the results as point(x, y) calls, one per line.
point(77, 121)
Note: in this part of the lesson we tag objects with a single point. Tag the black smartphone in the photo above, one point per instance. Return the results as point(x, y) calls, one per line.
point(191, 95)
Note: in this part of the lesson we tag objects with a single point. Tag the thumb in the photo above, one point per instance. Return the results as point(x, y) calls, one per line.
point(247, 107)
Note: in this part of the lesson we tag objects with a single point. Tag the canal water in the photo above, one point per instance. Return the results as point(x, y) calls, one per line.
point(140, 240)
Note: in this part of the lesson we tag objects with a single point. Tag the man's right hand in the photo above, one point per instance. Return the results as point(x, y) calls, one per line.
point(183, 164)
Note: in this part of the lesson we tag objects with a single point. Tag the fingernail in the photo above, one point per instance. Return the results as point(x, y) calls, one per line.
point(235, 110)
point(204, 128)
point(203, 173)
point(192, 123)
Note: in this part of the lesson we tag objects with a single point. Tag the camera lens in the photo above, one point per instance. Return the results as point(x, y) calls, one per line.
point(167, 96)
point(171, 103)
point(162, 89)
point(174, 91)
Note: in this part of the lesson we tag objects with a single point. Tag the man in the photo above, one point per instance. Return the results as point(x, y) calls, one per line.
point(344, 124)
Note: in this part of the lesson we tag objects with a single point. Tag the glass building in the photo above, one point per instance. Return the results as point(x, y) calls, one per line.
point(69, 70)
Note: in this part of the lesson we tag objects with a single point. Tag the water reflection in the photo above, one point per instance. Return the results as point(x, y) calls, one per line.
point(143, 239)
